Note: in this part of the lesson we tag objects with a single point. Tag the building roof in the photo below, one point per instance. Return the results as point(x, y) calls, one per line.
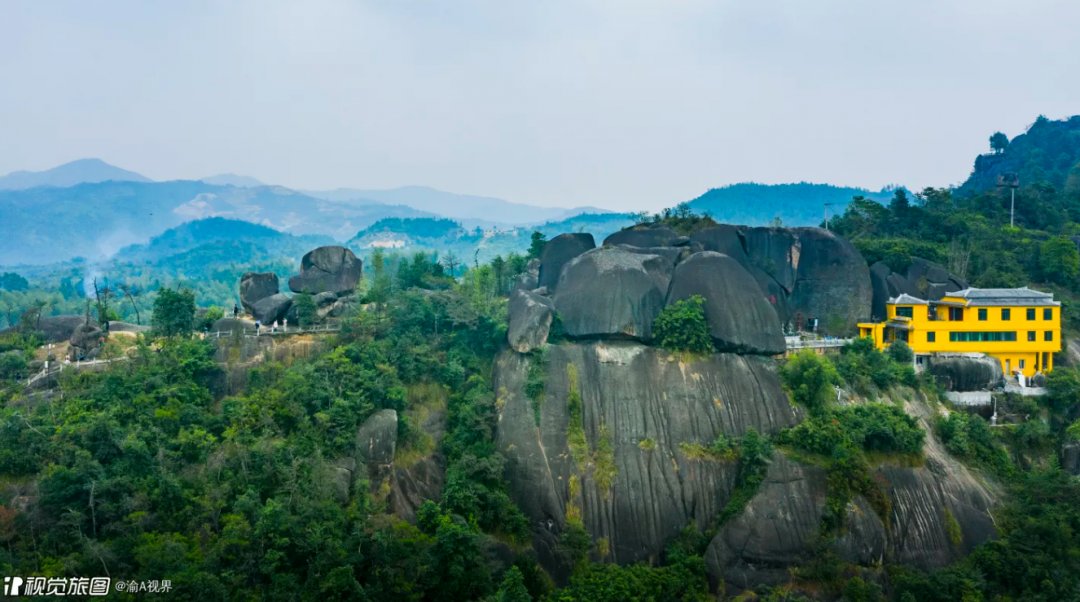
point(1004, 296)
point(906, 299)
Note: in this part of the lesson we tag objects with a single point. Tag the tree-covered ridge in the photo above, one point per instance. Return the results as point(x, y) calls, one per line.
point(1049, 152)
point(801, 204)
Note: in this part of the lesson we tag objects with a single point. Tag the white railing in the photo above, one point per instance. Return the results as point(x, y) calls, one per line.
point(269, 331)
point(826, 343)
point(56, 367)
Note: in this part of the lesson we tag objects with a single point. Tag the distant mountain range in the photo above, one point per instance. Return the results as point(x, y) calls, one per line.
point(801, 204)
point(91, 209)
point(231, 179)
point(69, 174)
point(475, 210)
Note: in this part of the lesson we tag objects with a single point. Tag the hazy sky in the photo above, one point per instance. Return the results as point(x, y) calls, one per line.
point(622, 104)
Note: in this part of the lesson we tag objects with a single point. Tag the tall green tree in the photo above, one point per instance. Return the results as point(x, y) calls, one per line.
point(174, 312)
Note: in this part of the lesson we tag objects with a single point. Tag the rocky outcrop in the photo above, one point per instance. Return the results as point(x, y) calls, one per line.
point(59, 328)
point(256, 286)
point(740, 319)
point(86, 341)
point(646, 237)
point(530, 321)
point(1070, 457)
point(922, 278)
point(805, 273)
point(231, 325)
point(832, 282)
point(642, 413)
point(776, 531)
point(938, 513)
point(557, 253)
point(965, 371)
point(612, 292)
point(529, 279)
point(327, 269)
point(376, 441)
point(271, 309)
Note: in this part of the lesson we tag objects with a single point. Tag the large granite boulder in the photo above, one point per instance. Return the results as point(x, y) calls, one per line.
point(86, 341)
point(637, 236)
point(376, 442)
point(921, 278)
point(530, 317)
point(612, 292)
point(54, 329)
point(231, 325)
point(256, 286)
point(832, 282)
point(776, 252)
point(965, 371)
point(327, 269)
point(740, 318)
point(723, 238)
point(1070, 457)
point(274, 307)
point(59, 328)
point(557, 253)
point(529, 279)
point(642, 413)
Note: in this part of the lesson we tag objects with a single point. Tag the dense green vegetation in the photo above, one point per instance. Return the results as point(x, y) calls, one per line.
point(681, 327)
point(798, 204)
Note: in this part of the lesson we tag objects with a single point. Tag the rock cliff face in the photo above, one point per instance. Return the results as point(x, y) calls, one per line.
point(617, 442)
point(804, 272)
point(923, 279)
point(635, 479)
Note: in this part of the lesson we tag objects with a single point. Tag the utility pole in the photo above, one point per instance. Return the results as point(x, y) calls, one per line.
point(827, 205)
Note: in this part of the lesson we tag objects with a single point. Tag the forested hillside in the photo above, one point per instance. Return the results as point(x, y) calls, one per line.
point(802, 204)
point(586, 419)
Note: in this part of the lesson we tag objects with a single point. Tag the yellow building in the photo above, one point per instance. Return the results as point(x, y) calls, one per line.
point(1018, 326)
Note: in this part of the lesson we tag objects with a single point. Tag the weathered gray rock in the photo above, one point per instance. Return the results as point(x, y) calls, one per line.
point(256, 286)
point(54, 329)
point(661, 236)
point(777, 252)
point(86, 341)
point(921, 278)
point(863, 539)
point(832, 282)
point(325, 298)
point(376, 442)
point(274, 307)
point(775, 532)
point(612, 292)
point(1070, 457)
point(965, 371)
point(649, 406)
point(327, 269)
point(529, 279)
point(558, 252)
point(723, 238)
point(530, 317)
point(740, 318)
point(231, 325)
point(939, 513)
